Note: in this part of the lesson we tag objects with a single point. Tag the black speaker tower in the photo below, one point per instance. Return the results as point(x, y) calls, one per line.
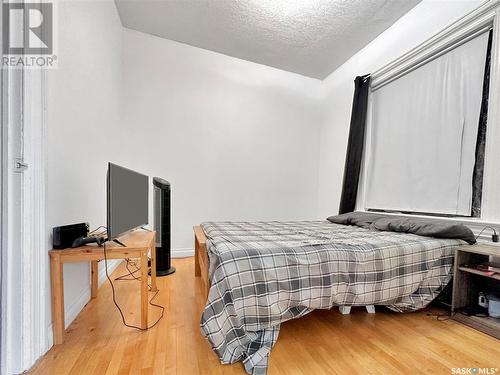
point(162, 226)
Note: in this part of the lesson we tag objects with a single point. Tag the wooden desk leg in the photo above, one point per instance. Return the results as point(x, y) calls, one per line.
point(144, 289)
point(153, 266)
point(94, 282)
point(57, 291)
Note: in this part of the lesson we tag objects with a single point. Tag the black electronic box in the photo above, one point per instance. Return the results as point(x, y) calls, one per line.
point(64, 236)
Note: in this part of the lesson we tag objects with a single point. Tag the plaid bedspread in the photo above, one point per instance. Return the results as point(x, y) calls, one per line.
point(265, 273)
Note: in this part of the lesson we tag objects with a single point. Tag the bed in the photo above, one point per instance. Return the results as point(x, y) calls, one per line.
point(260, 274)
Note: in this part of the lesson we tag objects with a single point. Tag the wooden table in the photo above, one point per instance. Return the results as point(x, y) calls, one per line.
point(138, 244)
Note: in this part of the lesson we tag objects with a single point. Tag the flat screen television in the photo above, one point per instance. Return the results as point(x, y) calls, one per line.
point(127, 200)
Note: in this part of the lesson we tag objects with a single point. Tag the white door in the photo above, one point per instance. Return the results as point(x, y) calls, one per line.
point(11, 239)
point(23, 237)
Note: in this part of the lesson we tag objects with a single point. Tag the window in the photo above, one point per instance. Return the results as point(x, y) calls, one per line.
point(424, 131)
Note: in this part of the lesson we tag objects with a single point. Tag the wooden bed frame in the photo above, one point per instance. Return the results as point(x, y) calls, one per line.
point(201, 258)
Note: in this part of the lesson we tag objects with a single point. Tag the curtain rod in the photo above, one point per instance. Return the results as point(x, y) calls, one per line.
point(425, 59)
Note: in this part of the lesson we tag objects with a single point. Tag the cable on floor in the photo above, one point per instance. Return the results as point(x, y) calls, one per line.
point(118, 306)
point(441, 317)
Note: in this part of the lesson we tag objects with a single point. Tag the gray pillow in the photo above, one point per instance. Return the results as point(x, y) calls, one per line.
point(360, 219)
point(425, 227)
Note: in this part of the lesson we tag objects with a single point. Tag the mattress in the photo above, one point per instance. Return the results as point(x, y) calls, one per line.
point(265, 273)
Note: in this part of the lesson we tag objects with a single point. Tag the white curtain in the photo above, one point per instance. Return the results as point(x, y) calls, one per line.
point(423, 135)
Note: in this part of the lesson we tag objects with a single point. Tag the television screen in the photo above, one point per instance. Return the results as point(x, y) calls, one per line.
point(127, 200)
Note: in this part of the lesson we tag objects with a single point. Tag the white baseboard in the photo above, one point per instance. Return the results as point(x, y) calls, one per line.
point(182, 252)
point(72, 311)
point(112, 265)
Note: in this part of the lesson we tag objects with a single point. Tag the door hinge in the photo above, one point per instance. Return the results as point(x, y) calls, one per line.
point(20, 166)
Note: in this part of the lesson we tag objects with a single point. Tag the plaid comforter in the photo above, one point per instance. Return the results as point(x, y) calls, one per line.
point(265, 273)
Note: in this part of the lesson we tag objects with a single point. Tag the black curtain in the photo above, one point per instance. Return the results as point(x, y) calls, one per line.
point(355, 144)
point(477, 177)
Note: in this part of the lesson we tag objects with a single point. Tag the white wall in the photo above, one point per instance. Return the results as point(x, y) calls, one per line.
point(237, 140)
point(83, 117)
point(422, 22)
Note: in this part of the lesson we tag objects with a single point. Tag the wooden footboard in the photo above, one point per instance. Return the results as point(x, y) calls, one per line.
point(201, 258)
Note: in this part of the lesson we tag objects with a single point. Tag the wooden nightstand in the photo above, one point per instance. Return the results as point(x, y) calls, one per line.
point(468, 282)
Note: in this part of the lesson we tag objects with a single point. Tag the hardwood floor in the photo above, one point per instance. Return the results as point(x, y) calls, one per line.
point(323, 342)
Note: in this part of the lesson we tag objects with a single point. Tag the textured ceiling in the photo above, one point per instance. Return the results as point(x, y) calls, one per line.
point(309, 37)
